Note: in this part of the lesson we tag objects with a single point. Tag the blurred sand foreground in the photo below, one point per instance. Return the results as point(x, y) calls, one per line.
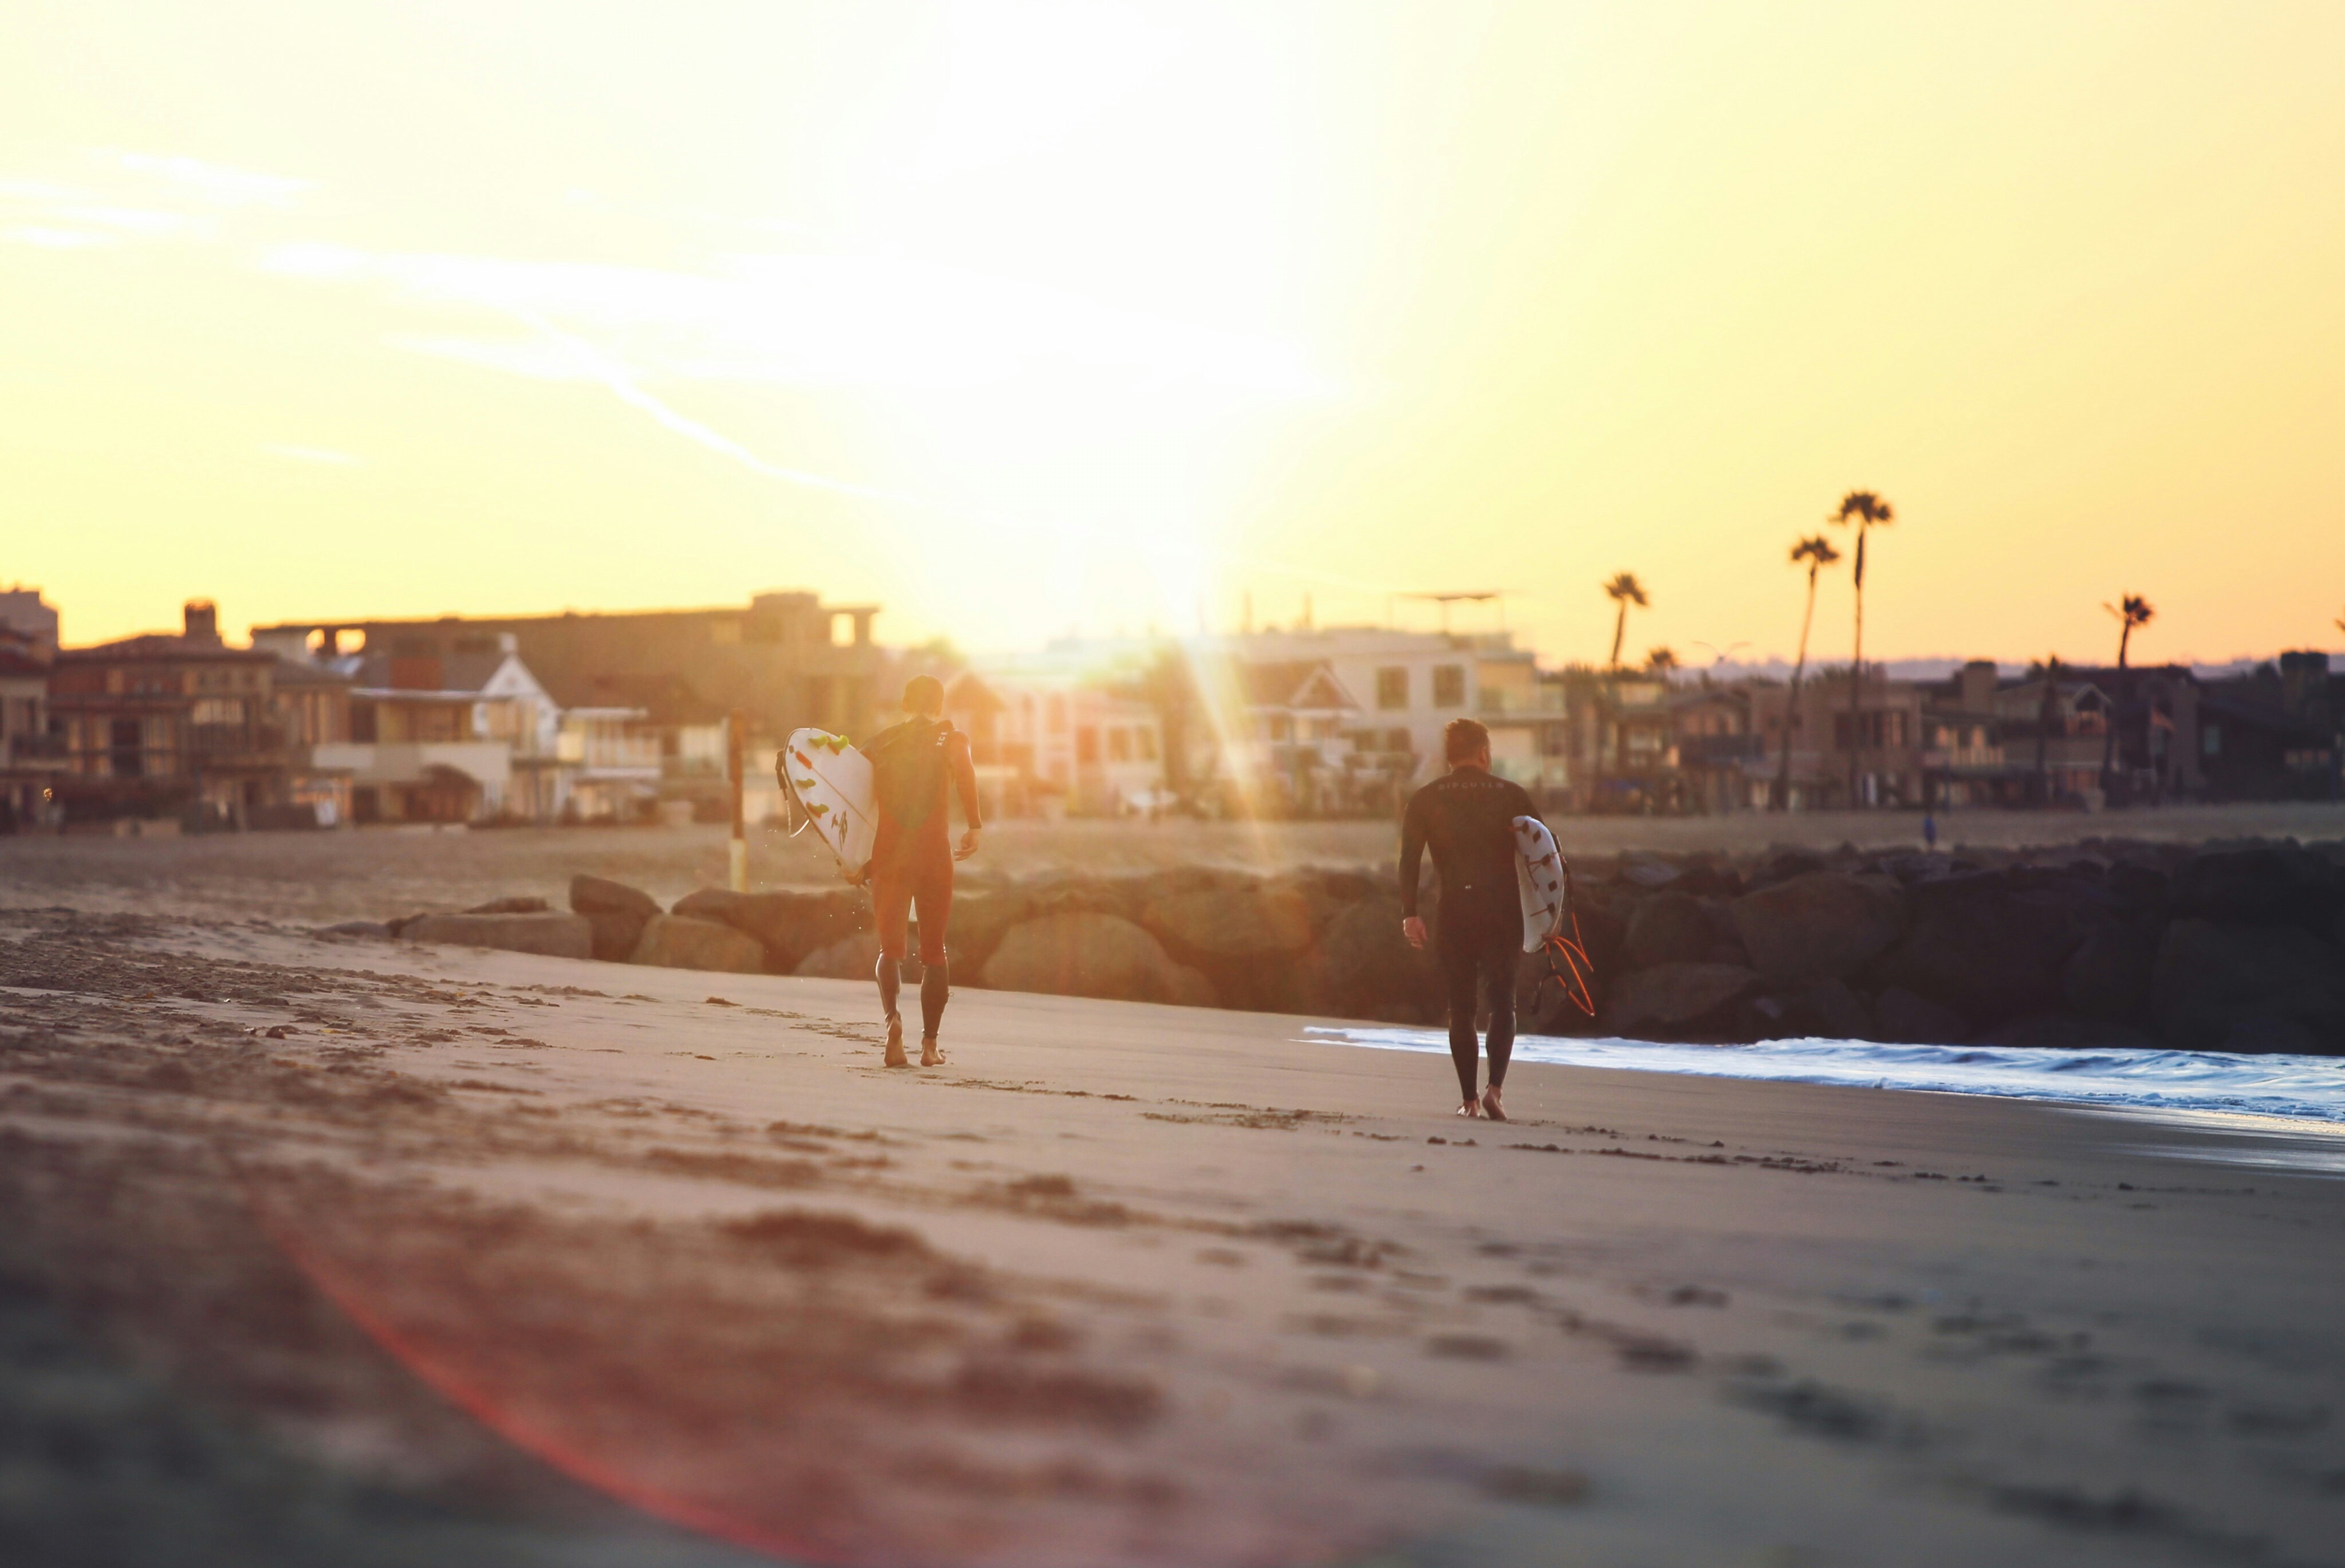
point(382, 872)
point(341, 1253)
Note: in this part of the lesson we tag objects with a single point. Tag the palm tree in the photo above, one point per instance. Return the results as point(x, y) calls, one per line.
point(1867, 511)
point(1624, 591)
point(1816, 552)
point(1661, 661)
point(2131, 611)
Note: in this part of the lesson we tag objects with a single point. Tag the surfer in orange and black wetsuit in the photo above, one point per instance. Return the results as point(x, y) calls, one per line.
point(915, 765)
point(1467, 817)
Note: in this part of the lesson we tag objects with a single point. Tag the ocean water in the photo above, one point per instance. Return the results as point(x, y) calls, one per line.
point(2206, 1086)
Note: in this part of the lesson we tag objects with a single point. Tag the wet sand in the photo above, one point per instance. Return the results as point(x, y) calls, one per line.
point(444, 1245)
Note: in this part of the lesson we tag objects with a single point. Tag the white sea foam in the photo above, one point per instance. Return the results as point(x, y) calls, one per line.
point(2305, 1090)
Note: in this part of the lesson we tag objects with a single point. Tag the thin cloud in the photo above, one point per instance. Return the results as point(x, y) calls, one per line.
point(310, 454)
point(137, 196)
point(48, 238)
point(217, 185)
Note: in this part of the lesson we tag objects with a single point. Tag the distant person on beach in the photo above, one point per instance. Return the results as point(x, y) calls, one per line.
point(915, 767)
point(1467, 817)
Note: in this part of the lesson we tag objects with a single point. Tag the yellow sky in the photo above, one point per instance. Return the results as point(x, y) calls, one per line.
point(1025, 320)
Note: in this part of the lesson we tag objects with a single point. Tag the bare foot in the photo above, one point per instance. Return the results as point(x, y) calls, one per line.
point(1490, 1106)
point(1469, 1109)
point(932, 1055)
point(895, 1057)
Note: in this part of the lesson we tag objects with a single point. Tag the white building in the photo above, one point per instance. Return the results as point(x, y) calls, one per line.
point(1045, 741)
point(1408, 684)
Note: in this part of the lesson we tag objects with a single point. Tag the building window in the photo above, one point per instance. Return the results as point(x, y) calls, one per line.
point(2210, 740)
point(1058, 716)
point(1147, 741)
point(1398, 741)
point(218, 711)
point(1449, 685)
point(1119, 745)
point(1392, 687)
point(1087, 745)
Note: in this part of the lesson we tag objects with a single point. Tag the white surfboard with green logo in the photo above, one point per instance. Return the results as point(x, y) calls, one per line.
point(830, 782)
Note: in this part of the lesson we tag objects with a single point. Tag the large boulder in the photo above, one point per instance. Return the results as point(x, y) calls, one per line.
point(1242, 925)
point(1821, 925)
point(1903, 1018)
point(1993, 945)
point(2264, 883)
point(1669, 928)
point(1826, 1010)
point(1783, 865)
point(1248, 939)
point(2212, 979)
point(556, 935)
point(789, 926)
point(1364, 969)
point(1092, 954)
point(851, 957)
point(2108, 975)
point(680, 942)
point(979, 921)
point(616, 912)
point(1675, 1000)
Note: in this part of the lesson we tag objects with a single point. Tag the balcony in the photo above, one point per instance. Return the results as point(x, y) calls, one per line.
point(34, 750)
point(220, 742)
point(1546, 700)
point(1719, 751)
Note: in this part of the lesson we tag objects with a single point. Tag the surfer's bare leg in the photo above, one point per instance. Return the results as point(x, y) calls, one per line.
point(1498, 974)
point(889, 973)
point(1458, 974)
point(936, 986)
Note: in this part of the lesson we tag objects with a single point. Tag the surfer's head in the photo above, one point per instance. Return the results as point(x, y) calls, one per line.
point(925, 695)
point(1466, 744)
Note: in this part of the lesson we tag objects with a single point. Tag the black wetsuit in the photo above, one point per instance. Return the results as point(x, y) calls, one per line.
point(1467, 817)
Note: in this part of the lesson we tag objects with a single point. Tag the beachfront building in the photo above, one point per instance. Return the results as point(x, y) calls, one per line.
point(1881, 745)
point(788, 659)
point(1052, 741)
point(1403, 686)
point(168, 730)
point(30, 755)
point(435, 734)
point(2275, 733)
point(1528, 712)
point(1720, 759)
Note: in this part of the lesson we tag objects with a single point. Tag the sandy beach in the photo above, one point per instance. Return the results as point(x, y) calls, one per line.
point(342, 1251)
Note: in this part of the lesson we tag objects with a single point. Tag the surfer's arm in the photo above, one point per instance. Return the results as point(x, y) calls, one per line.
point(1412, 854)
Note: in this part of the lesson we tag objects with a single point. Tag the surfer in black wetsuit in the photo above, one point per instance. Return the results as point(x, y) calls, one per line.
point(1467, 817)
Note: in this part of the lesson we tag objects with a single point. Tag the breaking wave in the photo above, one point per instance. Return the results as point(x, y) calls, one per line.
point(2302, 1089)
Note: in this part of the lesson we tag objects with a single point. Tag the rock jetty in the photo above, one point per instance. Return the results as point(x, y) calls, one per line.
point(2225, 947)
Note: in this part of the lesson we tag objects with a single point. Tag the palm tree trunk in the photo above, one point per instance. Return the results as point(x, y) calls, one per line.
point(1856, 676)
point(1791, 711)
point(2109, 720)
point(1620, 629)
point(2044, 730)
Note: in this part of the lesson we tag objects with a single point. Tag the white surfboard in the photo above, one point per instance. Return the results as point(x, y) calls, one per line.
point(831, 783)
point(1539, 877)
